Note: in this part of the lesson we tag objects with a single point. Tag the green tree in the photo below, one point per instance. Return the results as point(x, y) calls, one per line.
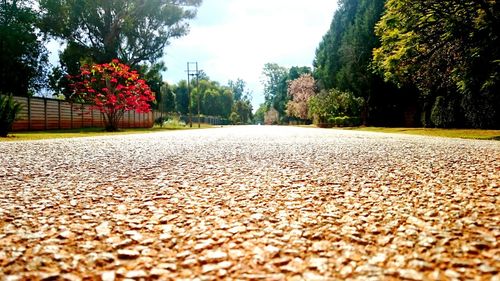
point(132, 31)
point(135, 32)
point(449, 50)
point(260, 114)
point(238, 88)
point(166, 102)
point(327, 105)
point(275, 80)
point(181, 97)
point(243, 108)
point(343, 60)
point(275, 88)
point(23, 57)
point(9, 109)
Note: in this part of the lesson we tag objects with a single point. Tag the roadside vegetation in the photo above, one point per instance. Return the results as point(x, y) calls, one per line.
point(436, 132)
point(94, 132)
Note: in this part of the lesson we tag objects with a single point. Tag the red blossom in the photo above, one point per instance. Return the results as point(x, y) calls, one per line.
point(113, 87)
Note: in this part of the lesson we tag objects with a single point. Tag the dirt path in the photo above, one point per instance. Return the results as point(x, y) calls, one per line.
point(250, 203)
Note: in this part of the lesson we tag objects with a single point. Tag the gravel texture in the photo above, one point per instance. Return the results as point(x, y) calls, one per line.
point(250, 203)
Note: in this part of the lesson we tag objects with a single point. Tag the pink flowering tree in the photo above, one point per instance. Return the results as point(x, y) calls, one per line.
point(112, 88)
point(300, 90)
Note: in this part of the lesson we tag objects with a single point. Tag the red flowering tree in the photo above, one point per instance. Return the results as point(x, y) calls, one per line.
point(113, 89)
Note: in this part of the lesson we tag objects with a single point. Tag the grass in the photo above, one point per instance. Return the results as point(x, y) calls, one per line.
point(448, 133)
point(91, 132)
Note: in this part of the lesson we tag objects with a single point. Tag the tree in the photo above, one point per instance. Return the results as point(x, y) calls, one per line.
point(300, 90)
point(181, 97)
point(275, 81)
point(259, 115)
point(238, 88)
point(23, 57)
point(166, 102)
point(333, 103)
point(243, 108)
point(113, 89)
point(9, 109)
point(136, 32)
point(133, 31)
point(449, 50)
point(343, 62)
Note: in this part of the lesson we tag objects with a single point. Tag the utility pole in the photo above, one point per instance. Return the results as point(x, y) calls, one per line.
point(189, 97)
point(197, 74)
point(198, 88)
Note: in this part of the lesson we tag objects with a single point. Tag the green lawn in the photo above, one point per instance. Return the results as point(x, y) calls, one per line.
point(449, 133)
point(91, 132)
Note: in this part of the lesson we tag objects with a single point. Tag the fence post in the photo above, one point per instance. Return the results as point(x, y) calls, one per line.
point(83, 113)
point(45, 112)
point(29, 113)
point(59, 114)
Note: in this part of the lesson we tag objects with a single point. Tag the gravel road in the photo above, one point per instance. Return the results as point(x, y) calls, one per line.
point(250, 203)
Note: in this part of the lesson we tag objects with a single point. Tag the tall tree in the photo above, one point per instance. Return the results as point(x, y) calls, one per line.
point(343, 60)
point(166, 102)
point(238, 88)
point(23, 57)
point(275, 80)
point(449, 50)
point(134, 31)
point(181, 97)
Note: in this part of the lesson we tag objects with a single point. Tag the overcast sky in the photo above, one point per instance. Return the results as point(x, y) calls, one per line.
point(233, 39)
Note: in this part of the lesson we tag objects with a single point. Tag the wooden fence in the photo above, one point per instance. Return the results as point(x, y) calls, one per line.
point(47, 114)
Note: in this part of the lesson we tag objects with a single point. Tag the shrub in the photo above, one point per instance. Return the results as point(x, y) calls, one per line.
point(9, 108)
point(345, 121)
point(333, 103)
point(160, 121)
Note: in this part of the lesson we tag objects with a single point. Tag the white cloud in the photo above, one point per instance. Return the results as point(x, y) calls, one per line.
point(235, 38)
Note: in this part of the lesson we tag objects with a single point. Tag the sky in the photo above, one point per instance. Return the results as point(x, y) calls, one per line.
point(233, 39)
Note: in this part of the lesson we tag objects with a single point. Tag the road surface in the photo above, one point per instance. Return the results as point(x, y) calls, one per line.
point(250, 203)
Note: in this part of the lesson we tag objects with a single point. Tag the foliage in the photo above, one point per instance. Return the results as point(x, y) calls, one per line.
point(136, 32)
point(275, 80)
point(243, 109)
point(449, 50)
point(334, 103)
point(235, 118)
point(9, 109)
point(181, 92)
point(345, 121)
point(166, 100)
point(238, 88)
point(300, 90)
point(133, 31)
point(112, 88)
point(214, 99)
point(23, 57)
point(343, 60)
point(259, 115)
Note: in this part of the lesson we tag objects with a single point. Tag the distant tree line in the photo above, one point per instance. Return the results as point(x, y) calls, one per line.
point(429, 63)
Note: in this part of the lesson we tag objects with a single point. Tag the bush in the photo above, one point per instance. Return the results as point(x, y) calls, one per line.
point(345, 121)
point(160, 121)
point(9, 108)
point(443, 114)
point(327, 105)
